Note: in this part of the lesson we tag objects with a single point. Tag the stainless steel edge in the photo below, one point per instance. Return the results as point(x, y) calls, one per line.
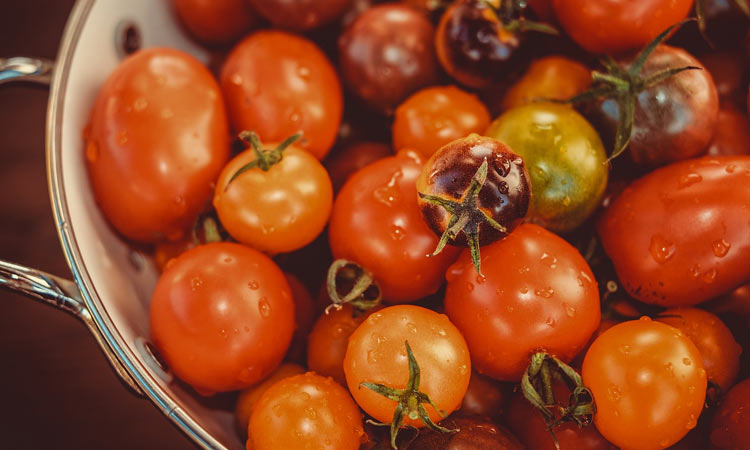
point(21, 68)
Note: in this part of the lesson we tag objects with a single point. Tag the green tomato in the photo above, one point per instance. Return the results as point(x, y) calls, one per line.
point(565, 159)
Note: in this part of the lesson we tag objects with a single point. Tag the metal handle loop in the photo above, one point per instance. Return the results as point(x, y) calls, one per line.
point(21, 68)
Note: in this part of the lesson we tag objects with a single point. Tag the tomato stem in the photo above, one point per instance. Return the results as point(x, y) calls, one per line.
point(264, 159)
point(364, 292)
point(510, 14)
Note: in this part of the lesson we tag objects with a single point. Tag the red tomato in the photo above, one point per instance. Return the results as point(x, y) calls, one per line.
point(249, 397)
point(376, 223)
point(352, 158)
point(538, 294)
point(731, 423)
point(222, 317)
point(678, 236)
point(484, 397)
point(276, 84)
point(156, 142)
point(216, 21)
point(732, 135)
point(617, 26)
point(301, 15)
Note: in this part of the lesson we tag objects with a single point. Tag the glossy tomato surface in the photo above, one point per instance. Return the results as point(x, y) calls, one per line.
point(300, 15)
point(732, 419)
point(155, 143)
point(216, 22)
point(248, 398)
point(472, 433)
point(551, 77)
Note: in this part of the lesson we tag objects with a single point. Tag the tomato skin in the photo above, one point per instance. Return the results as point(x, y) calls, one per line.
point(473, 433)
point(222, 316)
point(300, 15)
point(484, 397)
point(156, 141)
point(617, 26)
point(435, 116)
point(216, 22)
point(732, 419)
point(305, 411)
point(377, 353)
point(249, 397)
point(376, 223)
point(277, 84)
point(278, 210)
point(551, 77)
point(732, 136)
point(646, 376)
point(538, 294)
point(352, 158)
point(678, 236)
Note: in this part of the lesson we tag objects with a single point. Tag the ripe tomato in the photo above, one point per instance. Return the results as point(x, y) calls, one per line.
point(305, 411)
point(249, 397)
point(300, 15)
point(484, 397)
point(732, 135)
point(343, 164)
point(216, 21)
point(551, 77)
point(719, 351)
point(472, 433)
point(276, 210)
point(538, 294)
point(156, 141)
point(277, 84)
point(617, 26)
point(732, 419)
point(647, 377)
point(727, 70)
point(376, 223)
point(222, 317)
point(435, 116)
point(377, 354)
point(678, 236)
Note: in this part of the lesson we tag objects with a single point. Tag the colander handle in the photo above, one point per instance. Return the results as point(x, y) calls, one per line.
point(21, 68)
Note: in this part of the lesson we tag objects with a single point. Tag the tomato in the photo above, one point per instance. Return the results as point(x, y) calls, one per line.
point(300, 15)
point(732, 136)
point(473, 433)
point(732, 419)
point(435, 116)
point(377, 354)
point(538, 294)
point(727, 70)
point(376, 222)
point(278, 209)
point(617, 26)
point(216, 22)
point(719, 351)
point(646, 377)
point(249, 397)
point(352, 158)
point(222, 317)
point(386, 54)
point(305, 411)
point(551, 77)
point(277, 84)
point(678, 236)
point(156, 141)
point(164, 252)
point(304, 316)
point(565, 159)
point(484, 397)
point(543, 9)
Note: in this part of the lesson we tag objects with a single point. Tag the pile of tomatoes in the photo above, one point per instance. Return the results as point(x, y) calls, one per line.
point(524, 224)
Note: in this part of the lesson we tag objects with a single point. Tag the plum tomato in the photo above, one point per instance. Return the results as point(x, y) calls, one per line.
point(273, 200)
point(538, 294)
point(305, 411)
point(719, 351)
point(248, 398)
point(552, 77)
point(732, 136)
point(473, 433)
point(645, 376)
point(300, 15)
point(350, 159)
point(377, 354)
point(618, 26)
point(376, 223)
point(155, 143)
point(294, 89)
point(435, 116)
point(387, 53)
point(216, 22)
point(732, 419)
point(565, 159)
point(222, 317)
point(473, 191)
point(678, 236)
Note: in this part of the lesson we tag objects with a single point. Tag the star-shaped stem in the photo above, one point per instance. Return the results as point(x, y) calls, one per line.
point(264, 159)
point(363, 291)
point(410, 400)
point(466, 216)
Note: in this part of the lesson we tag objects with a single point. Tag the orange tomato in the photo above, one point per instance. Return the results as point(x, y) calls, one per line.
point(551, 77)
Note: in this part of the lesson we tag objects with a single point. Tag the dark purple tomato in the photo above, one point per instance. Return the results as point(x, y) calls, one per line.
point(300, 15)
point(473, 433)
point(732, 136)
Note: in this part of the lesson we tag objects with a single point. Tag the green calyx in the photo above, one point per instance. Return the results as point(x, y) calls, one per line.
point(410, 401)
point(264, 159)
point(358, 285)
point(510, 13)
point(624, 85)
point(536, 386)
point(466, 216)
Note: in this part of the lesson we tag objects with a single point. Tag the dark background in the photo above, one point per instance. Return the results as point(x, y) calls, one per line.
point(56, 388)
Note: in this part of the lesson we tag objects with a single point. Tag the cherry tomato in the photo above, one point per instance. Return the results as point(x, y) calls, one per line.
point(167, 251)
point(435, 116)
point(156, 142)
point(304, 317)
point(377, 354)
point(565, 159)
point(222, 317)
point(678, 236)
point(551, 77)
point(617, 26)
point(376, 223)
point(538, 294)
point(645, 376)
point(300, 15)
point(473, 433)
point(216, 21)
point(719, 351)
point(484, 397)
point(249, 397)
point(276, 210)
point(352, 158)
point(727, 70)
point(732, 419)
point(305, 411)
point(732, 135)
point(277, 84)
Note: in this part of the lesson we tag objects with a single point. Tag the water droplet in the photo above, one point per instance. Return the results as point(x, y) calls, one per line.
point(586, 277)
point(687, 361)
point(469, 286)
point(122, 137)
point(372, 357)
point(267, 229)
point(304, 396)
point(645, 319)
point(195, 283)
point(374, 318)
point(303, 72)
point(566, 201)
point(223, 333)
point(550, 322)
point(720, 247)
point(397, 233)
point(253, 285)
point(310, 411)
point(624, 349)
point(276, 410)
point(613, 392)
point(462, 369)
point(580, 281)
point(228, 260)
point(546, 292)
point(669, 368)
point(236, 79)
point(524, 290)
point(248, 375)
point(524, 269)
point(166, 113)
point(661, 249)
point(549, 260)
point(179, 204)
point(411, 327)
point(570, 310)
point(92, 152)
point(389, 193)
point(264, 307)
point(709, 276)
point(689, 180)
point(692, 422)
point(695, 270)
point(442, 332)
point(140, 104)
point(730, 168)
